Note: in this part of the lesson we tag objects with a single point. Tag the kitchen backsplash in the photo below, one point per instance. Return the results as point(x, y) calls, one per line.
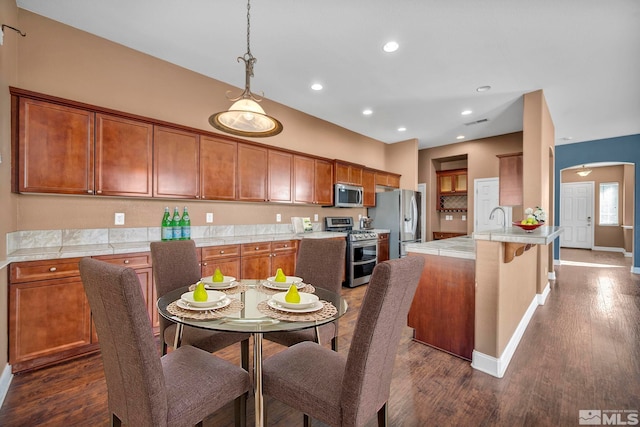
point(95, 236)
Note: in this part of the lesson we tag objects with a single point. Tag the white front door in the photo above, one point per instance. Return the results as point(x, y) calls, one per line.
point(576, 215)
point(487, 197)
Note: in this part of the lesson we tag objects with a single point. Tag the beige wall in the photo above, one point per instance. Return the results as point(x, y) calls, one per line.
point(59, 60)
point(481, 162)
point(607, 236)
point(8, 76)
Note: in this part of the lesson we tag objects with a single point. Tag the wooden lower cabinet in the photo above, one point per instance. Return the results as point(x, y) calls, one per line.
point(443, 310)
point(226, 258)
point(261, 260)
point(383, 247)
point(439, 235)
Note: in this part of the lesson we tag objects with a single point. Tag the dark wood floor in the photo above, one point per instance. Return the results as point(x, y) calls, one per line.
point(580, 351)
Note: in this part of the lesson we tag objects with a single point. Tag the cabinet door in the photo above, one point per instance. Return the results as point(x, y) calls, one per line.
point(49, 320)
point(283, 256)
point(252, 173)
point(383, 247)
point(176, 166)
point(218, 169)
point(342, 173)
point(227, 266)
point(256, 260)
point(323, 190)
point(369, 185)
point(445, 183)
point(393, 181)
point(124, 153)
point(355, 175)
point(280, 176)
point(304, 178)
point(55, 148)
point(460, 182)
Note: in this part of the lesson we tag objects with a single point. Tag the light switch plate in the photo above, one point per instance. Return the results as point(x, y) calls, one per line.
point(278, 218)
point(119, 218)
point(315, 217)
point(209, 219)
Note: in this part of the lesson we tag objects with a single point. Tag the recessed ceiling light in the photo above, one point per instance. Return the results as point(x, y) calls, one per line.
point(483, 88)
point(316, 86)
point(367, 112)
point(390, 46)
point(402, 129)
point(466, 112)
point(460, 137)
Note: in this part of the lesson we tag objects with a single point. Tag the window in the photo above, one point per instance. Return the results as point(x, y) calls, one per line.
point(609, 203)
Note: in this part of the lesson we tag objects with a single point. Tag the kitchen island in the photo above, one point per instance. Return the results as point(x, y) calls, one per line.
point(480, 291)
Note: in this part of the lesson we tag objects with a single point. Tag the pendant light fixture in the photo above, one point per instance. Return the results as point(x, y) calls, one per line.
point(583, 171)
point(245, 117)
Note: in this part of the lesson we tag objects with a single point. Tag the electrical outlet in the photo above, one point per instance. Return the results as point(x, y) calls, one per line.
point(209, 219)
point(315, 217)
point(278, 218)
point(464, 217)
point(119, 218)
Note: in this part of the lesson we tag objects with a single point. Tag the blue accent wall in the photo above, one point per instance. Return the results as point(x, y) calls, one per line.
point(620, 149)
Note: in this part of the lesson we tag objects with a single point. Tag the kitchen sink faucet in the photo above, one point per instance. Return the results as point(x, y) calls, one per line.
point(504, 216)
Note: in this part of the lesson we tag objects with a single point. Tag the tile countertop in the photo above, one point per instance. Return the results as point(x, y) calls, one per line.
point(464, 247)
point(71, 251)
point(455, 247)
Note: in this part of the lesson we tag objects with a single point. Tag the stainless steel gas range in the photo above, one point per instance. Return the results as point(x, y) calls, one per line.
point(362, 250)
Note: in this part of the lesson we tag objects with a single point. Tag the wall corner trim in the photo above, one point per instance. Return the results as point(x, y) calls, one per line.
point(498, 366)
point(5, 381)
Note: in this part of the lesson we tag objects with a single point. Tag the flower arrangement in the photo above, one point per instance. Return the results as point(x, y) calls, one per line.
point(534, 216)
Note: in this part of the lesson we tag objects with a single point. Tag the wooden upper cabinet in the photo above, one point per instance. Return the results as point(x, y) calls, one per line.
point(347, 173)
point(313, 180)
point(55, 148)
point(252, 173)
point(452, 181)
point(369, 185)
point(388, 179)
point(324, 182)
point(280, 176)
point(218, 169)
point(123, 157)
point(510, 174)
point(176, 165)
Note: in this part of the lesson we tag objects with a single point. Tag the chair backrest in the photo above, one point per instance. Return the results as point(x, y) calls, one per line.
point(320, 262)
point(132, 366)
point(175, 265)
point(383, 315)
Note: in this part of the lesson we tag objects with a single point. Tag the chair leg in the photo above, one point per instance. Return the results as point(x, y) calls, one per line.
point(383, 416)
point(306, 421)
point(334, 344)
point(200, 424)
point(240, 410)
point(164, 348)
point(115, 421)
point(244, 354)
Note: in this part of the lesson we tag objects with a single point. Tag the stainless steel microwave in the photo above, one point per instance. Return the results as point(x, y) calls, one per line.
point(348, 196)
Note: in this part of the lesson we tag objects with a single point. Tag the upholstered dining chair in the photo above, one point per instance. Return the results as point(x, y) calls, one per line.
point(340, 391)
point(145, 389)
point(175, 265)
point(320, 262)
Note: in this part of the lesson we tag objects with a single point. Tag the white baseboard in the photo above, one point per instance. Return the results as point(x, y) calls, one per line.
point(5, 381)
point(608, 249)
point(551, 275)
point(635, 270)
point(557, 262)
point(497, 367)
point(628, 254)
point(542, 298)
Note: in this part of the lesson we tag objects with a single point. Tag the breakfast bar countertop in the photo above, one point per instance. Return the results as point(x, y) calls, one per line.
point(455, 247)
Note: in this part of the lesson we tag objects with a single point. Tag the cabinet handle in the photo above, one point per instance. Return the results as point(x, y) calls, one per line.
point(286, 246)
point(126, 261)
point(99, 192)
point(52, 269)
point(90, 191)
point(204, 263)
point(257, 248)
point(273, 255)
point(221, 252)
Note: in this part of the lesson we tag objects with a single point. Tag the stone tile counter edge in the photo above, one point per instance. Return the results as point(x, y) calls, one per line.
point(455, 247)
point(54, 244)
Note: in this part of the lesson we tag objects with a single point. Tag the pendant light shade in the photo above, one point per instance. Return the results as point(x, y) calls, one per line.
point(245, 117)
point(583, 171)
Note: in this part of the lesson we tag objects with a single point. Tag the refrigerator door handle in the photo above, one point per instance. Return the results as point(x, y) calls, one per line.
point(414, 208)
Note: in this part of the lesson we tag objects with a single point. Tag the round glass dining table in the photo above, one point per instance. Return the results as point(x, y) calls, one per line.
point(250, 319)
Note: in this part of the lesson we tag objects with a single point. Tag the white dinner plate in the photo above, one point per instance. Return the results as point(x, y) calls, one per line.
point(213, 298)
point(306, 300)
point(318, 306)
point(218, 285)
point(290, 280)
point(282, 286)
point(226, 280)
point(186, 306)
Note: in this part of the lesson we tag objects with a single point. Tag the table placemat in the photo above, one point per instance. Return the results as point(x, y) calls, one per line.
point(307, 288)
point(235, 306)
point(241, 287)
point(328, 310)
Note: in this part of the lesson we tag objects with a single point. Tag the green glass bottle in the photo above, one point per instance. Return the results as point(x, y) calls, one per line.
point(175, 225)
point(185, 225)
point(166, 230)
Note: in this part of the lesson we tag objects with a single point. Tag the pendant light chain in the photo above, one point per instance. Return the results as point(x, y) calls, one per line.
point(248, 27)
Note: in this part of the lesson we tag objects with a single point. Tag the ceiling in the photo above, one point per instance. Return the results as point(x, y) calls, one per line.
point(584, 54)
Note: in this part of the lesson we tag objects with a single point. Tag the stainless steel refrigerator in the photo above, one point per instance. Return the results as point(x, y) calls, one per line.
point(398, 211)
